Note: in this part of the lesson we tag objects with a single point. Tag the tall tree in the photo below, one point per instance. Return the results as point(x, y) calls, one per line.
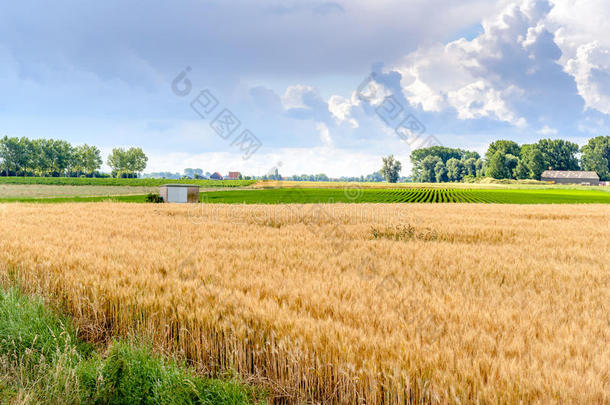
point(61, 156)
point(470, 166)
point(390, 169)
point(427, 174)
point(440, 172)
point(117, 160)
point(510, 163)
point(43, 156)
point(559, 154)
point(480, 166)
point(15, 155)
point(127, 163)
point(521, 171)
point(495, 166)
point(137, 160)
point(532, 159)
point(39, 163)
point(504, 147)
point(596, 156)
point(456, 169)
point(87, 159)
point(443, 152)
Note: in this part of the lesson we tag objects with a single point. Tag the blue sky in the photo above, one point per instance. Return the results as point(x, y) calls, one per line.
point(101, 73)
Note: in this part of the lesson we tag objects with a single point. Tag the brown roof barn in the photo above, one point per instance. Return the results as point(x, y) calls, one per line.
point(571, 177)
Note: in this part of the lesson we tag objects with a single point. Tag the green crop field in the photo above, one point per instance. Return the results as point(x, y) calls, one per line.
point(351, 195)
point(412, 195)
point(82, 181)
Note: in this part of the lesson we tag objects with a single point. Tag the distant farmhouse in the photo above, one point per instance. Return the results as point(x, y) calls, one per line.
point(232, 176)
point(571, 177)
point(216, 176)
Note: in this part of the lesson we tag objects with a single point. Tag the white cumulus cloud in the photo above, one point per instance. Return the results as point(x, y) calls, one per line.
point(546, 130)
point(324, 134)
point(535, 59)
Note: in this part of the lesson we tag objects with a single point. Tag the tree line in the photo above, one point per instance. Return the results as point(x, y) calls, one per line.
point(57, 158)
point(505, 159)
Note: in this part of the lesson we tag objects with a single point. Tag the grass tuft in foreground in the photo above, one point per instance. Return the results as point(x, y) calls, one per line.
point(43, 362)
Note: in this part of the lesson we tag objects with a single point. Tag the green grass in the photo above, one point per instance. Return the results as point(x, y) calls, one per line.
point(80, 181)
point(42, 361)
point(371, 195)
point(55, 200)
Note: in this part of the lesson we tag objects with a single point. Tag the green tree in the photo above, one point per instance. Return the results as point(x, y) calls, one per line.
point(440, 172)
point(521, 171)
point(456, 169)
point(137, 160)
point(38, 161)
point(87, 159)
point(43, 157)
point(444, 153)
point(467, 154)
point(480, 167)
point(510, 164)
point(533, 160)
point(46, 156)
point(504, 147)
point(390, 169)
point(536, 164)
point(427, 174)
point(15, 154)
point(61, 156)
point(127, 163)
point(470, 166)
point(596, 156)
point(26, 148)
point(117, 160)
point(495, 166)
point(559, 154)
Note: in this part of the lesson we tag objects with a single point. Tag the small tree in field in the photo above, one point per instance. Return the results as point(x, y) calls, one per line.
point(127, 163)
point(391, 169)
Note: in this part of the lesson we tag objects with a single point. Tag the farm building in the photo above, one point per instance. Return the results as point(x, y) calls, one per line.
point(232, 176)
point(571, 177)
point(179, 193)
point(216, 176)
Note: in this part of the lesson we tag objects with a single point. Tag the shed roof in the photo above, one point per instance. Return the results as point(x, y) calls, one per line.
point(179, 185)
point(570, 174)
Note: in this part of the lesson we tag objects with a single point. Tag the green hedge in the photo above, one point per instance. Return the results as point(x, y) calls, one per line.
point(82, 181)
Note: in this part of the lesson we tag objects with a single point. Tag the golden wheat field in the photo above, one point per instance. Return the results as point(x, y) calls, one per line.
point(351, 304)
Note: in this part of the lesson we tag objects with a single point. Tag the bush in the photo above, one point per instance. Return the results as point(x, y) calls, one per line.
point(154, 198)
point(469, 178)
point(130, 375)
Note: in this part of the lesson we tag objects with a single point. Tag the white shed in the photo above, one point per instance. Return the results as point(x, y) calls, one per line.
point(179, 193)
